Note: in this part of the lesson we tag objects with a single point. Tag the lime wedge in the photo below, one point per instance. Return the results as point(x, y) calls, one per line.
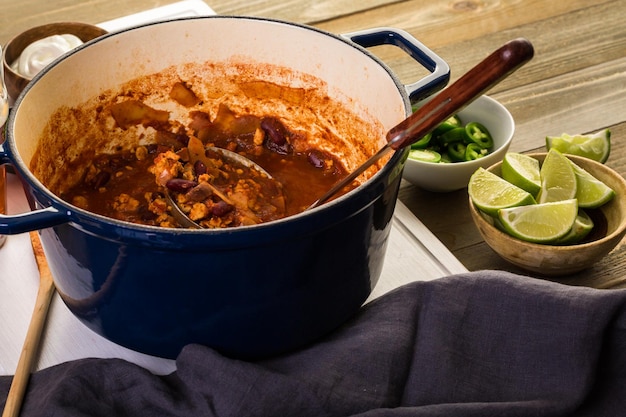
point(491, 193)
point(596, 146)
point(581, 228)
point(540, 223)
point(590, 192)
point(558, 181)
point(523, 171)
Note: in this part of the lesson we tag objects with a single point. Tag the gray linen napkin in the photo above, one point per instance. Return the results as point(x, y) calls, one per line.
point(486, 343)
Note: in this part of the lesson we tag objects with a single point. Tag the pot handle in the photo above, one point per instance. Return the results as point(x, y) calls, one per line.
point(438, 68)
point(13, 224)
point(30, 221)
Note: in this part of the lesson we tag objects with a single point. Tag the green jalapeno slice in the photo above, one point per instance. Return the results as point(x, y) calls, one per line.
point(456, 150)
point(458, 134)
point(474, 151)
point(425, 155)
point(423, 142)
point(478, 134)
point(450, 123)
point(453, 141)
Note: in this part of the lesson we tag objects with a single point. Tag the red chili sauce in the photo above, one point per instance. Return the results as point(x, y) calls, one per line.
point(216, 193)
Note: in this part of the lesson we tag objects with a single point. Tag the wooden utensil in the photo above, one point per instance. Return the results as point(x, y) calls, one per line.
point(3, 194)
point(30, 349)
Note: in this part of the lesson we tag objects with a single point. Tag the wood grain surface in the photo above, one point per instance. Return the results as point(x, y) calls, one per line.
point(574, 84)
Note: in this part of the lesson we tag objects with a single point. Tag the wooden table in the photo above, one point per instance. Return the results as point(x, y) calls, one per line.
point(576, 83)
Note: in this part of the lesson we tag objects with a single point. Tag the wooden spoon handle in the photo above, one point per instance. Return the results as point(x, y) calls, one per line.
point(470, 86)
point(30, 349)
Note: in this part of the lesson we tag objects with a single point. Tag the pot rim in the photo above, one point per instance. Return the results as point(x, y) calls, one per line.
point(115, 229)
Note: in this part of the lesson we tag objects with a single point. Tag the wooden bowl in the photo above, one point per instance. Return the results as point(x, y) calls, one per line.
point(15, 83)
point(551, 260)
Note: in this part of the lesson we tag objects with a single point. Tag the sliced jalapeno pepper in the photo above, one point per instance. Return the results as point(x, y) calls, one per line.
point(426, 155)
point(452, 141)
point(449, 124)
point(455, 120)
point(445, 158)
point(478, 134)
point(456, 150)
point(423, 142)
point(473, 151)
point(457, 134)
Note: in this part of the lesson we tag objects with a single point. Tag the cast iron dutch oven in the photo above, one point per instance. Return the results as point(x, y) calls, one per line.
point(249, 292)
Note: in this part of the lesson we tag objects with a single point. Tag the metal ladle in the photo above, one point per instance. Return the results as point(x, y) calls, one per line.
point(470, 86)
point(181, 217)
point(490, 71)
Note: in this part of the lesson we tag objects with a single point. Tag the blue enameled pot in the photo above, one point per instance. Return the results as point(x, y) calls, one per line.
point(248, 292)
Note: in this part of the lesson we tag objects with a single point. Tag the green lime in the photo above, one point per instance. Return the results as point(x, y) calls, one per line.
point(581, 228)
point(540, 223)
point(523, 171)
point(491, 193)
point(596, 146)
point(558, 181)
point(591, 192)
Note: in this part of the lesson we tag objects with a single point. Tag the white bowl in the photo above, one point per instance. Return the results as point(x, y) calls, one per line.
point(445, 177)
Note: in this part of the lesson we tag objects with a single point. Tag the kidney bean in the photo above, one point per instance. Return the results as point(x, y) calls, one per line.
point(100, 180)
point(221, 208)
point(316, 158)
point(274, 129)
point(180, 185)
point(199, 168)
point(276, 136)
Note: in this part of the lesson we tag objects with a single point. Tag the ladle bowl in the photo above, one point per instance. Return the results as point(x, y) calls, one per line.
point(182, 217)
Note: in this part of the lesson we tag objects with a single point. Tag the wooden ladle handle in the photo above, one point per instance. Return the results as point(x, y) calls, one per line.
point(30, 348)
point(470, 86)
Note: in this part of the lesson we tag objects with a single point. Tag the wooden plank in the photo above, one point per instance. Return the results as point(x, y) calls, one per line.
point(610, 272)
point(441, 22)
point(427, 19)
point(583, 101)
point(300, 11)
point(593, 42)
point(14, 20)
point(607, 43)
point(597, 80)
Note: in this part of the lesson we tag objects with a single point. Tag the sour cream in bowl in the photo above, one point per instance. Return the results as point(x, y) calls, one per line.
point(42, 52)
point(31, 51)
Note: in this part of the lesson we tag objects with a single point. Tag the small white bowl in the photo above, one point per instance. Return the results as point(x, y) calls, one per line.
point(445, 177)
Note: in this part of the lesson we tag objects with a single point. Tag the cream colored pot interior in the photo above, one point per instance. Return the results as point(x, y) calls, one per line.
point(234, 60)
